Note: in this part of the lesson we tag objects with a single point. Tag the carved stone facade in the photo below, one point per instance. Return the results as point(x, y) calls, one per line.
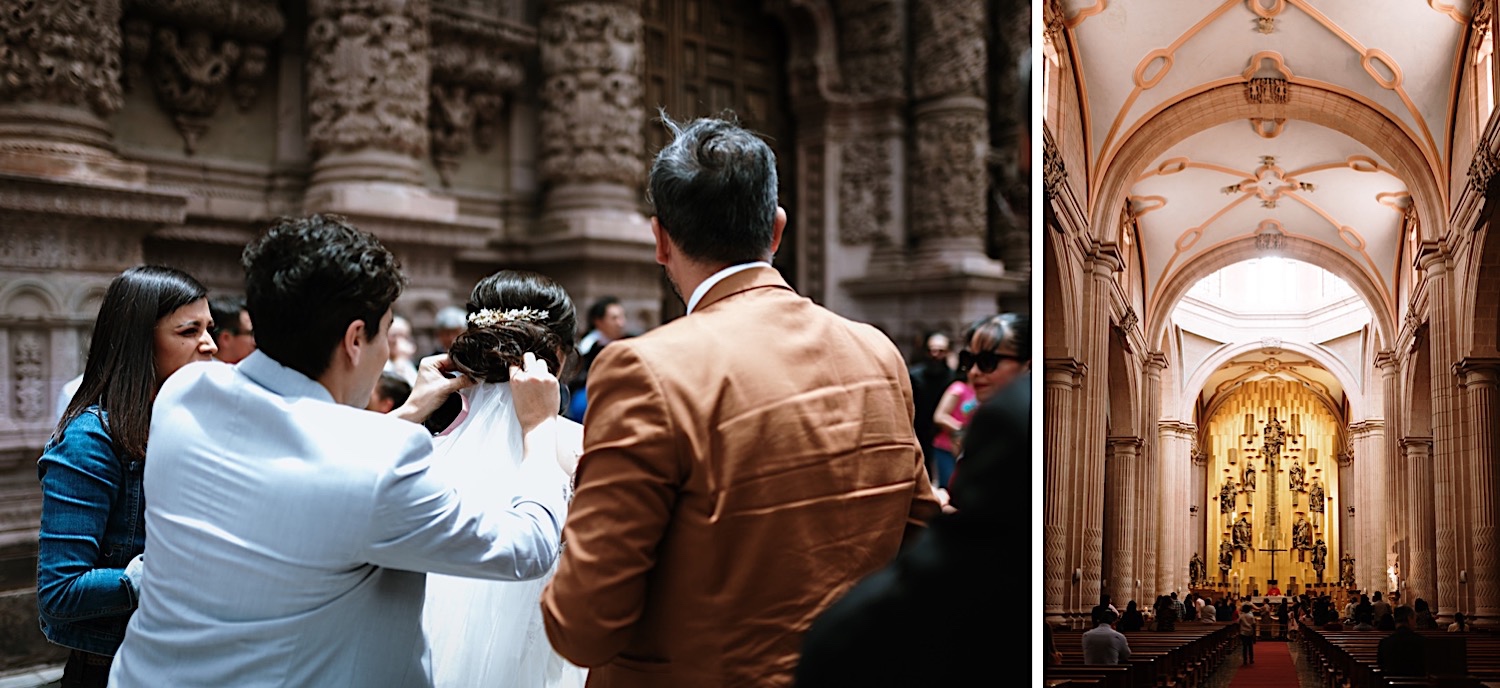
point(471, 135)
point(367, 76)
point(591, 97)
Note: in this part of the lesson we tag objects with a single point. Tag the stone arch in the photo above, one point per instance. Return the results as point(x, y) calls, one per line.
point(1059, 314)
point(1227, 103)
point(1480, 326)
point(1418, 402)
point(86, 302)
point(30, 299)
point(1294, 247)
point(1124, 404)
point(1346, 377)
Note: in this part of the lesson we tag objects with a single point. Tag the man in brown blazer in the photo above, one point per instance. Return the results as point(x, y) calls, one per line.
point(744, 464)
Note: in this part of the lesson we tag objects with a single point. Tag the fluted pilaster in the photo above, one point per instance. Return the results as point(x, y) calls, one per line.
point(1478, 460)
point(1368, 438)
point(1446, 426)
point(1147, 532)
point(1396, 483)
point(1176, 445)
point(1062, 376)
point(1121, 511)
point(1422, 568)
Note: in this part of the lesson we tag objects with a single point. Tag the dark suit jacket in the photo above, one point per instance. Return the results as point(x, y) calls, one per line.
point(743, 466)
point(1402, 653)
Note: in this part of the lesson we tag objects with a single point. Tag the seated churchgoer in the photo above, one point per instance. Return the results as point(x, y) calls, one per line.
point(1403, 652)
point(1105, 645)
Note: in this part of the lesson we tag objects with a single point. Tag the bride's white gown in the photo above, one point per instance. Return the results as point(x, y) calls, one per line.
point(488, 634)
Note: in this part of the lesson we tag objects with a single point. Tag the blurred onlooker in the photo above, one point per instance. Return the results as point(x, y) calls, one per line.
point(390, 393)
point(606, 324)
point(1424, 618)
point(1131, 620)
point(403, 348)
point(1460, 623)
point(450, 322)
point(930, 377)
point(232, 329)
point(1402, 653)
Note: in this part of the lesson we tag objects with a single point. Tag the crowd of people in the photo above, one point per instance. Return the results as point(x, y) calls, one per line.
point(1399, 654)
point(751, 502)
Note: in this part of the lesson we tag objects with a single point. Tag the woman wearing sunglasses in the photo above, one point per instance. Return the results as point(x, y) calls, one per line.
point(997, 349)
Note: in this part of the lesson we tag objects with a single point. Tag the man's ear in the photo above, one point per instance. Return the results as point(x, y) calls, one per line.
point(663, 242)
point(354, 344)
point(777, 227)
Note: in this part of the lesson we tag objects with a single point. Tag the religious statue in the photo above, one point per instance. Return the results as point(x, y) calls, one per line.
point(1248, 482)
point(1274, 438)
point(1243, 536)
point(1226, 558)
point(1302, 537)
point(1298, 476)
point(1316, 497)
point(1346, 575)
point(1195, 571)
point(1226, 497)
point(1320, 558)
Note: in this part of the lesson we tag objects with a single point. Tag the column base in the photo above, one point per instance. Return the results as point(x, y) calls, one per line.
point(385, 199)
point(62, 143)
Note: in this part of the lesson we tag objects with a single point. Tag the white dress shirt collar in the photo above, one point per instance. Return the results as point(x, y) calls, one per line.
point(281, 380)
point(718, 277)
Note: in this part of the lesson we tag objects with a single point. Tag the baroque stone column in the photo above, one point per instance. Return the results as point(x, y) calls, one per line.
point(1478, 461)
point(1448, 498)
point(1176, 443)
point(1421, 572)
point(1063, 377)
point(593, 151)
point(1397, 482)
point(1121, 511)
point(949, 219)
point(1146, 477)
point(61, 66)
point(1368, 438)
point(368, 72)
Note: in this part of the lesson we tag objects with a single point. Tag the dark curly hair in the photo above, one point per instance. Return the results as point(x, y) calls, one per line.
point(486, 353)
point(307, 278)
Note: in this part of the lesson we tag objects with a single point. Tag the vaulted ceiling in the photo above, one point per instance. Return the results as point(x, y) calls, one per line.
point(1272, 173)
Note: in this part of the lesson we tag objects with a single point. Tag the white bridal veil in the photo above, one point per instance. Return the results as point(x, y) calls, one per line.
point(488, 633)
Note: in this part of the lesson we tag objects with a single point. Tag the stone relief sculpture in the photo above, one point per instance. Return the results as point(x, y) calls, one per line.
point(1195, 570)
point(1346, 570)
point(1297, 476)
point(1274, 438)
point(1247, 481)
point(1302, 536)
point(1316, 497)
point(1320, 558)
point(1243, 535)
point(346, 109)
point(592, 94)
point(1227, 497)
point(1226, 558)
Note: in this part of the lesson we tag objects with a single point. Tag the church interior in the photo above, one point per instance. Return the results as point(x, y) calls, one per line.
point(1272, 302)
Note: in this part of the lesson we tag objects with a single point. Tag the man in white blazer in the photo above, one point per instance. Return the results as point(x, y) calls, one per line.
point(287, 528)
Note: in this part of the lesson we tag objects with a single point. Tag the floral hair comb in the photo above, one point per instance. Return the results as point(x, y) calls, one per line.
point(487, 317)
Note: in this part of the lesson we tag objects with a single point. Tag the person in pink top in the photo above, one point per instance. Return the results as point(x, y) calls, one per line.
point(952, 416)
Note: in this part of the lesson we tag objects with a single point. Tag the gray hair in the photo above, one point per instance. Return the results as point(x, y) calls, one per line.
point(714, 191)
point(451, 318)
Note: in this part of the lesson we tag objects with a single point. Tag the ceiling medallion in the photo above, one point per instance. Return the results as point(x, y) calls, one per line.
point(1265, 24)
point(1268, 183)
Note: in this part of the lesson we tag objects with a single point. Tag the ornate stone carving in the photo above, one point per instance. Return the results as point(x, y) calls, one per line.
point(1266, 90)
point(872, 48)
point(1129, 320)
point(1054, 20)
point(865, 192)
point(1482, 169)
point(1054, 173)
point(194, 53)
point(367, 76)
point(591, 97)
point(64, 52)
point(63, 246)
point(29, 369)
point(948, 196)
point(950, 52)
point(476, 63)
point(813, 199)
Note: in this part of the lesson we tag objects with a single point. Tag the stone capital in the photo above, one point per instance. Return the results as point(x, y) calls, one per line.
point(1432, 258)
point(1421, 443)
point(1106, 259)
point(1386, 361)
point(1155, 362)
point(1068, 372)
point(1478, 372)
point(1366, 427)
point(1124, 445)
point(1181, 429)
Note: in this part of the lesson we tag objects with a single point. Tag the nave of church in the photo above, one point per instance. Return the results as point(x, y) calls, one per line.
point(1272, 302)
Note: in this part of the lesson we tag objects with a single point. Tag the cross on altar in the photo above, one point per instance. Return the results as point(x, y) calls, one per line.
point(1273, 549)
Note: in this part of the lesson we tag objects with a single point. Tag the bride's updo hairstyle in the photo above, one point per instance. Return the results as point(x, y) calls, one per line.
point(505, 321)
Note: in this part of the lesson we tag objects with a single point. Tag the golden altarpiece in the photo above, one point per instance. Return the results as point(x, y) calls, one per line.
point(1272, 488)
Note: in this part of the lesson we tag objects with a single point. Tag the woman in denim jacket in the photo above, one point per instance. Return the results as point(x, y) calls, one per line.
point(153, 321)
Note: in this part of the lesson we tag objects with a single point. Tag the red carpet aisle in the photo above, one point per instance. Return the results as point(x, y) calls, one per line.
point(1273, 667)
